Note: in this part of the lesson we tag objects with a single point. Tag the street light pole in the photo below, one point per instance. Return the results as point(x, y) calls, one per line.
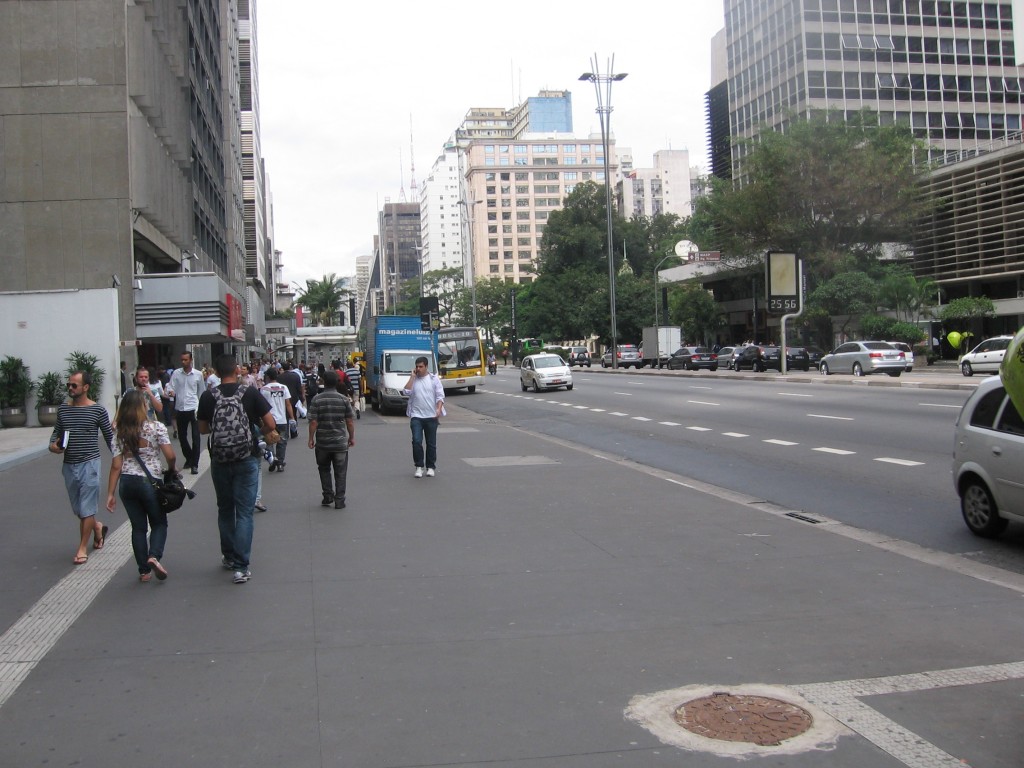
point(419, 261)
point(604, 112)
point(657, 332)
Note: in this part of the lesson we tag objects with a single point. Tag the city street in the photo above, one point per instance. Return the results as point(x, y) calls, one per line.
point(531, 605)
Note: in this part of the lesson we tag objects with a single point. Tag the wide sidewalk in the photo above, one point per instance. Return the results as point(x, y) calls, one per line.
point(506, 613)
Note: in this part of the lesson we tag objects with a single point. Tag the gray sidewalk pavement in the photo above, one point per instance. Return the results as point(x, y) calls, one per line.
point(523, 608)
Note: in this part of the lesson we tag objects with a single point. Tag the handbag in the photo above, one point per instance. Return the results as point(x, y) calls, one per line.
point(170, 492)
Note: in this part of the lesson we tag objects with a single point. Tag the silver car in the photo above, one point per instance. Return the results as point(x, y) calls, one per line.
point(626, 354)
point(544, 371)
point(986, 357)
point(863, 357)
point(987, 458)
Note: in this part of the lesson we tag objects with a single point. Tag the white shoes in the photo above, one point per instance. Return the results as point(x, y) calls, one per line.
point(430, 472)
point(418, 472)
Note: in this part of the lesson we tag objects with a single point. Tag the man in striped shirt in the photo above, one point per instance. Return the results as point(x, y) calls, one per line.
point(75, 437)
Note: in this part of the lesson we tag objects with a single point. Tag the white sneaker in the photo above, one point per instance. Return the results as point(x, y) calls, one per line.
point(430, 472)
point(418, 472)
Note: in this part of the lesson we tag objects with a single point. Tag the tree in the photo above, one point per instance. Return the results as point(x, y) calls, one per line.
point(323, 298)
point(695, 309)
point(848, 294)
point(448, 286)
point(832, 190)
point(575, 236)
point(906, 295)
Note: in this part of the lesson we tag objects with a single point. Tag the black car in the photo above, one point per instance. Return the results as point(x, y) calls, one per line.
point(751, 356)
point(797, 359)
point(692, 359)
point(814, 355)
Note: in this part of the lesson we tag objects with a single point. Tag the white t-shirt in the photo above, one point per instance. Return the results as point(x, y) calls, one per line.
point(277, 395)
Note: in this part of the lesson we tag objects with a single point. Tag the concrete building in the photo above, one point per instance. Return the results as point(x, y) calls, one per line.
point(947, 69)
point(665, 188)
point(396, 247)
point(121, 160)
point(440, 214)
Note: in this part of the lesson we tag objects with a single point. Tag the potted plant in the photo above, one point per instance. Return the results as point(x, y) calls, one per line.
point(15, 386)
point(88, 363)
point(50, 393)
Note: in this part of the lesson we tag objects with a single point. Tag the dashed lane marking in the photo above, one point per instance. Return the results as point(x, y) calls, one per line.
point(900, 462)
point(617, 413)
point(792, 394)
point(776, 441)
point(640, 418)
point(735, 434)
point(836, 451)
point(670, 423)
point(700, 429)
point(701, 402)
point(825, 416)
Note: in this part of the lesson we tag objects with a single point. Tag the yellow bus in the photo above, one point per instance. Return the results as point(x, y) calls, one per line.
point(460, 358)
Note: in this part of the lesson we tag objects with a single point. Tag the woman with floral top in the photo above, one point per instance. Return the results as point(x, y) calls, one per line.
point(137, 438)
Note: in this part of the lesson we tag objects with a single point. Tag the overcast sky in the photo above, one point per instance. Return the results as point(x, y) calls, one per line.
point(340, 82)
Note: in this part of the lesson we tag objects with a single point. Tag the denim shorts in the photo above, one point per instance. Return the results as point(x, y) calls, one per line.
point(83, 483)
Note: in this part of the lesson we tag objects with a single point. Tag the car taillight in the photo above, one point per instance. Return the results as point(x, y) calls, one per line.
point(618, 354)
point(714, 357)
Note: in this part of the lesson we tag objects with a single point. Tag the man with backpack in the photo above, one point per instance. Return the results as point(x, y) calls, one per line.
point(228, 413)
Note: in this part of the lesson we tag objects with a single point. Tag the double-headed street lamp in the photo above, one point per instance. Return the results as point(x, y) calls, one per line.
point(419, 261)
point(604, 112)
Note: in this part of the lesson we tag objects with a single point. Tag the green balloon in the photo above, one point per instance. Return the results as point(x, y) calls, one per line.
point(953, 337)
point(1012, 371)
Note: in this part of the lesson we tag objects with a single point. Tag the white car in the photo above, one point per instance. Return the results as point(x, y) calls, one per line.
point(908, 353)
point(544, 371)
point(987, 458)
point(986, 357)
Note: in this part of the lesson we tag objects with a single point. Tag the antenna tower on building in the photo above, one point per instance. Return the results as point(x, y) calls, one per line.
point(401, 176)
point(413, 190)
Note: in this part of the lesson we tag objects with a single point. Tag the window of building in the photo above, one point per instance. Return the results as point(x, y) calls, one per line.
point(488, 149)
point(503, 148)
point(521, 149)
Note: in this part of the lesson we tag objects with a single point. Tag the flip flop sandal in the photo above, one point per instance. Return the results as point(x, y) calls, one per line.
point(80, 560)
point(103, 538)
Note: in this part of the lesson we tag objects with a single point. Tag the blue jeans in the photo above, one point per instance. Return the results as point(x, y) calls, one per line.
point(139, 499)
point(234, 483)
point(424, 428)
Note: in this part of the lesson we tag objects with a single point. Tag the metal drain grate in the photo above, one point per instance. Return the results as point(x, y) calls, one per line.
point(750, 719)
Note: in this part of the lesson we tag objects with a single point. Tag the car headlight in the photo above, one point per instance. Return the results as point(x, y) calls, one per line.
point(391, 392)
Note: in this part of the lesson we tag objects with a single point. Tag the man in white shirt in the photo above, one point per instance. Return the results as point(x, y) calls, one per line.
point(278, 396)
point(425, 409)
point(185, 387)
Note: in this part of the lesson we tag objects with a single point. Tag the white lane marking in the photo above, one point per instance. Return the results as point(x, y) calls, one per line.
point(700, 387)
point(791, 394)
point(773, 441)
point(627, 394)
point(837, 451)
point(679, 482)
point(617, 413)
point(901, 462)
point(582, 407)
point(735, 434)
point(701, 402)
point(670, 423)
point(597, 410)
point(700, 429)
point(938, 405)
point(825, 416)
point(640, 418)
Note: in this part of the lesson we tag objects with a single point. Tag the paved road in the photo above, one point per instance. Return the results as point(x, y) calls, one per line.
point(505, 613)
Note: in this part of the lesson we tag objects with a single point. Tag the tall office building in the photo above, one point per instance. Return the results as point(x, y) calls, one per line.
point(664, 188)
point(947, 69)
point(397, 246)
point(120, 165)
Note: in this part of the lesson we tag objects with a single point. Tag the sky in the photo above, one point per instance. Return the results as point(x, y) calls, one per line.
point(353, 95)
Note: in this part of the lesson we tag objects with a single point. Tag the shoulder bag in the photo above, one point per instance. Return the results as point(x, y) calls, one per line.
point(170, 492)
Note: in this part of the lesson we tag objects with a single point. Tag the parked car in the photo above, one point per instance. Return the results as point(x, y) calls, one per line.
point(797, 359)
point(862, 358)
point(748, 356)
point(544, 371)
point(986, 357)
point(692, 359)
point(579, 356)
point(725, 356)
point(814, 355)
point(627, 354)
point(908, 353)
point(988, 454)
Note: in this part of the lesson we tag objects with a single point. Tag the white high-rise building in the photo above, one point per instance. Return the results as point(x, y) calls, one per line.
point(665, 188)
point(440, 214)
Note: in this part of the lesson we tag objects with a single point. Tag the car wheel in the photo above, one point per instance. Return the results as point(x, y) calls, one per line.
point(536, 386)
point(714, 367)
point(568, 387)
point(823, 369)
point(523, 385)
point(966, 370)
point(588, 365)
point(858, 370)
point(604, 364)
point(979, 510)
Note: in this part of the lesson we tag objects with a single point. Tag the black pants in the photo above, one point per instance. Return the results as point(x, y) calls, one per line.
point(188, 427)
point(336, 463)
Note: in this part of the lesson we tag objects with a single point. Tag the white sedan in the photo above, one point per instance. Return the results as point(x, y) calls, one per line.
point(544, 371)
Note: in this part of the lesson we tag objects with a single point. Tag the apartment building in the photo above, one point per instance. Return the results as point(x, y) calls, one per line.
point(441, 216)
point(664, 188)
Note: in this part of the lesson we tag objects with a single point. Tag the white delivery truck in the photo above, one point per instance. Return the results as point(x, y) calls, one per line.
point(659, 343)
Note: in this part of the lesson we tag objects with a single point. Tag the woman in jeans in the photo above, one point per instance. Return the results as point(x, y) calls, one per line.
point(138, 436)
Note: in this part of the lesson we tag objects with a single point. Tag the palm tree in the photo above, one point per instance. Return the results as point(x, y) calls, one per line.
point(323, 298)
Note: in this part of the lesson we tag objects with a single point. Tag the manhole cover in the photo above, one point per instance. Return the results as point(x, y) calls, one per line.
point(737, 717)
